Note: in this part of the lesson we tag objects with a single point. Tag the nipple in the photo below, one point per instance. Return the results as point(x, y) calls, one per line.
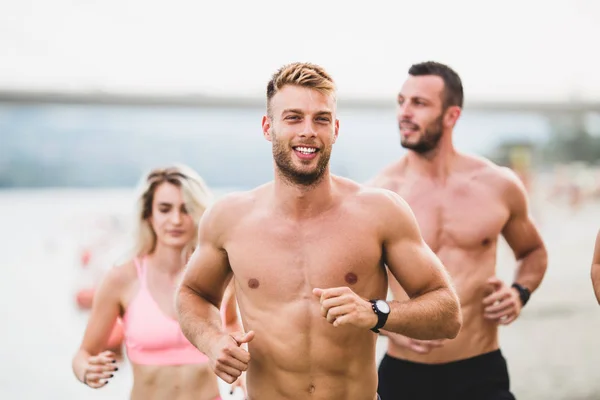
point(351, 278)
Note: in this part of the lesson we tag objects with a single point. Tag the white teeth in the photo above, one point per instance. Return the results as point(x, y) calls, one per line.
point(306, 150)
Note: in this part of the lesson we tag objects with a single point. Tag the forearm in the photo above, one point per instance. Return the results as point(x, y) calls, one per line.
point(80, 363)
point(200, 320)
point(596, 280)
point(531, 269)
point(433, 315)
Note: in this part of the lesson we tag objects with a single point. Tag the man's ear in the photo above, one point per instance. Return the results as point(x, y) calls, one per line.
point(266, 127)
point(451, 116)
point(336, 130)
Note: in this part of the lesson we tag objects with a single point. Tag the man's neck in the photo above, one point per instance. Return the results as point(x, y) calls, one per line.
point(436, 164)
point(303, 201)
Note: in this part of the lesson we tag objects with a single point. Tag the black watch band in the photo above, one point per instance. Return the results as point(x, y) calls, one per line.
point(524, 293)
point(381, 316)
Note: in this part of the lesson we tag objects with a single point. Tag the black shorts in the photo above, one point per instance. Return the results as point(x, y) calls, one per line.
point(484, 377)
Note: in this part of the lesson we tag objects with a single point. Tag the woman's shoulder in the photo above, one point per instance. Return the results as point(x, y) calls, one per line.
point(121, 276)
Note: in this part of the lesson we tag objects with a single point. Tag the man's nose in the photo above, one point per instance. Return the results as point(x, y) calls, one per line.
point(308, 129)
point(405, 111)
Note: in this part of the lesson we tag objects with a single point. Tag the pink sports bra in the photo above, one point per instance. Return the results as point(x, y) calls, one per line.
point(151, 337)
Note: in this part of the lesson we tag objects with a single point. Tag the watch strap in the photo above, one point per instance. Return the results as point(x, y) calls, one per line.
point(381, 317)
point(524, 293)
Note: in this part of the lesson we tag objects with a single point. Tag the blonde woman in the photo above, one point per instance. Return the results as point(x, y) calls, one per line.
point(141, 292)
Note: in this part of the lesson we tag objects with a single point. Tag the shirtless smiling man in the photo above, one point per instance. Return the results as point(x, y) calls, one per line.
point(307, 253)
point(462, 204)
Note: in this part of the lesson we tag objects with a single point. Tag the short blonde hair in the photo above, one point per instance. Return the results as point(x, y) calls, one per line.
point(196, 195)
point(300, 74)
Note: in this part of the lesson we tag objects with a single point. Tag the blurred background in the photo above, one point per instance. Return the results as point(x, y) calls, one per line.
point(95, 93)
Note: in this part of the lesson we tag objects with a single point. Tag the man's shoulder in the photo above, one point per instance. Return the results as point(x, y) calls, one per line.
point(377, 199)
point(234, 205)
point(383, 209)
point(232, 201)
point(498, 178)
point(493, 173)
point(380, 208)
point(390, 176)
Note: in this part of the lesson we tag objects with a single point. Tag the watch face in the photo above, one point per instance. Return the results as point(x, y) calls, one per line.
point(383, 306)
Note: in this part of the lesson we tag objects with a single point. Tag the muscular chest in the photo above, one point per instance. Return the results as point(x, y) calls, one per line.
point(464, 213)
point(285, 259)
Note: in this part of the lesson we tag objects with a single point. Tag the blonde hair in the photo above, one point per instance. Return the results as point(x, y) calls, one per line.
point(196, 195)
point(300, 74)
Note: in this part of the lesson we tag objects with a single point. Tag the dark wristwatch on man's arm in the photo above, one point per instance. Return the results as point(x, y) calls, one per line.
point(382, 309)
point(524, 293)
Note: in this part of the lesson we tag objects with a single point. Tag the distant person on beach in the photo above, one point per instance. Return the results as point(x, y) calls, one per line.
point(596, 268)
point(142, 292)
point(307, 253)
point(463, 204)
point(520, 161)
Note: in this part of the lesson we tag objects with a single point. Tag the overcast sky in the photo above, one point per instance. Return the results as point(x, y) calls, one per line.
point(513, 49)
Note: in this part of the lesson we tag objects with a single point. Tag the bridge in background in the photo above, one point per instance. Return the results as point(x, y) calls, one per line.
point(566, 115)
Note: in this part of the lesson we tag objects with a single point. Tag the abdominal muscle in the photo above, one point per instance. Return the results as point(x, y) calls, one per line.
point(174, 382)
point(299, 355)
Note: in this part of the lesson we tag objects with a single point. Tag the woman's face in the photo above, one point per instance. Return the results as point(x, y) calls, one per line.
point(170, 220)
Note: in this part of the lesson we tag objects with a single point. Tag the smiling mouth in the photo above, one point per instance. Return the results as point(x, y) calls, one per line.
point(408, 126)
point(305, 150)
point(408, 129)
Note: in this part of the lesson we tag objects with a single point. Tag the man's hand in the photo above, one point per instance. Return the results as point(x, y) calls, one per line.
point(228, 359)
point(503, 304)
point(341, 306)
point(418, 346)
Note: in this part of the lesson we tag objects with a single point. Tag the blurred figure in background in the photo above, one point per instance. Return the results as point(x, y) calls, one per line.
point(596, 268)
point(520, 159)
point(99, 243)
point(99, 239)
point(142, 291)
point(462, 204)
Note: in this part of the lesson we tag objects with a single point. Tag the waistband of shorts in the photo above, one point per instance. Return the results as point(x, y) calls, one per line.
point(471, 362)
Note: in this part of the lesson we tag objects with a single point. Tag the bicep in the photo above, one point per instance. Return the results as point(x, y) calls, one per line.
point(208, 272)
point(410, 260)
point(106, 308)
point(520, 231)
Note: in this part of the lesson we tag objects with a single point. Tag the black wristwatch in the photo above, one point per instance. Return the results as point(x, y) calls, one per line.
point(524, 293)
point(382, 310)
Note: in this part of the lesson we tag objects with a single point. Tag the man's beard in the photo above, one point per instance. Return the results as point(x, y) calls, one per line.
point(285, 164)
point(429, 140)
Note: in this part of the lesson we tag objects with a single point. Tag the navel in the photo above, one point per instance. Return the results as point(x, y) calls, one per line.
point(486, 242)
point(351, 278)
point(253, 283)
point(311, 389)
